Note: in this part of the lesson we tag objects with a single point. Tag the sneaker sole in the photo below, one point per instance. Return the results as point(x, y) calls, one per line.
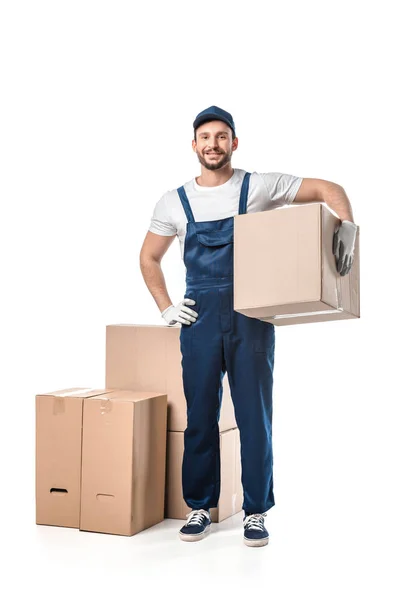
point(194, 537)
point(256, 543)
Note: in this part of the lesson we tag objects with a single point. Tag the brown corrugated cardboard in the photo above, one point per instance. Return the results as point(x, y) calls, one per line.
point(123, 462)
point(58, 455)
point(143, 357)
point(284, 267)
point(231, 495)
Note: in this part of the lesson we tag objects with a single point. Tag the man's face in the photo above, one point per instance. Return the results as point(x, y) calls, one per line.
point(214, 144)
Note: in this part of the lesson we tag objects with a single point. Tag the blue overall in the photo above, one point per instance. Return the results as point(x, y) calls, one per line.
point(223, 340)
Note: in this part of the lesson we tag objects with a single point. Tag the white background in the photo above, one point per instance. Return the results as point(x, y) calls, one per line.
point(97, 104)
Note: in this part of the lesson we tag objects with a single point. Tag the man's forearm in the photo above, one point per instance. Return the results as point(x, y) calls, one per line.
point(335, 197)
point(154, 279)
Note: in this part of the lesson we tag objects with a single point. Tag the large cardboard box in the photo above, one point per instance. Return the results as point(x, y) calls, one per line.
point(284, 267)
point(58, 455)
point(123, 462)
point(231, 495)
point(148, 357)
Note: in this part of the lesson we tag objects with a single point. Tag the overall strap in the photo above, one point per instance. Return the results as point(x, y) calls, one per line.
point(243, 194)
point(185, 204)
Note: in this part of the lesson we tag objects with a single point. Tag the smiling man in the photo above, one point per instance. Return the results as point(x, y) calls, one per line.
point(214, 338)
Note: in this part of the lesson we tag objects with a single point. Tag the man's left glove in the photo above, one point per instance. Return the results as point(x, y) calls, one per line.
point(343, 246)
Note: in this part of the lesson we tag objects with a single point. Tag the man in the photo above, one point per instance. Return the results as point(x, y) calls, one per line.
point(214, 338)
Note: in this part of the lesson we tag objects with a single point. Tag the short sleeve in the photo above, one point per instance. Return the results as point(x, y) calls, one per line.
point(282, 187)
point(160, 221)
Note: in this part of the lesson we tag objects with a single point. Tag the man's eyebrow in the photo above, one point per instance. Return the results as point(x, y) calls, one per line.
point(207, 132)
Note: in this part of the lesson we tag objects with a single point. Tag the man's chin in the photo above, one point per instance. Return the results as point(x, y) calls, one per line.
point(213, 164)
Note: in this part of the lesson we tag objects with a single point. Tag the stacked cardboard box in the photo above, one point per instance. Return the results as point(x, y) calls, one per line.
point(143, 357)
point(95, 450)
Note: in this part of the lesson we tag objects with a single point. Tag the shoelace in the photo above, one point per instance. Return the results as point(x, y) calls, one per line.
point(255, 521)
point(196, 517)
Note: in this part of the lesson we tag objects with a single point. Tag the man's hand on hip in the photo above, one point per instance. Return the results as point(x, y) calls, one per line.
point(180, 313)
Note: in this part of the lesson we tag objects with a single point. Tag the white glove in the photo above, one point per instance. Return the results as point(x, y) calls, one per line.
point(343, 246)
point(180, 313)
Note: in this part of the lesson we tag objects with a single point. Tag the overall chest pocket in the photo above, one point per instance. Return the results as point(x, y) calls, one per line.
point(216, 237)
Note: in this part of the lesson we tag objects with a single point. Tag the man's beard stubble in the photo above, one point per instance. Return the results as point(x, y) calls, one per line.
point(213, 165)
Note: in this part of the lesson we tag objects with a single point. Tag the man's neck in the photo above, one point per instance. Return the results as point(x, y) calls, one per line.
point(213, 178)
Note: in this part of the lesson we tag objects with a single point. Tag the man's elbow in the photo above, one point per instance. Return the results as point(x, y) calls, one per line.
point(146, 258)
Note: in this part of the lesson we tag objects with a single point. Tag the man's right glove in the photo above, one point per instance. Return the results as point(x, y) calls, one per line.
point(180, 313)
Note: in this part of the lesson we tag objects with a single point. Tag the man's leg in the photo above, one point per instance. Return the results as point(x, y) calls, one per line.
point(202, 371)
point(249, 350)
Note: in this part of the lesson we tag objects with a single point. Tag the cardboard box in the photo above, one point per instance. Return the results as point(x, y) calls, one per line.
point(231, 495)
point(284, 268)
point(123, 462)
point(148, 357)
point(58, 455)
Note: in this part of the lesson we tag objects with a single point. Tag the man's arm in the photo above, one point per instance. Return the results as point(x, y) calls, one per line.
point(153, 249)
point(320, 190)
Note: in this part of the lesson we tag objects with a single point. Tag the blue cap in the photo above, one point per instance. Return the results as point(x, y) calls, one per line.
point(214, 113)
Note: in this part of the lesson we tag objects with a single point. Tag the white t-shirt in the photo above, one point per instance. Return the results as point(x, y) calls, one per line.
point(266, 191)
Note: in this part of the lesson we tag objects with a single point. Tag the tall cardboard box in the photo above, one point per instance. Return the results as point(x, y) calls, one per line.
point(231, 494)
point(284, 267)
point(123, 462)
point(58, 455)
point(148, 357)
